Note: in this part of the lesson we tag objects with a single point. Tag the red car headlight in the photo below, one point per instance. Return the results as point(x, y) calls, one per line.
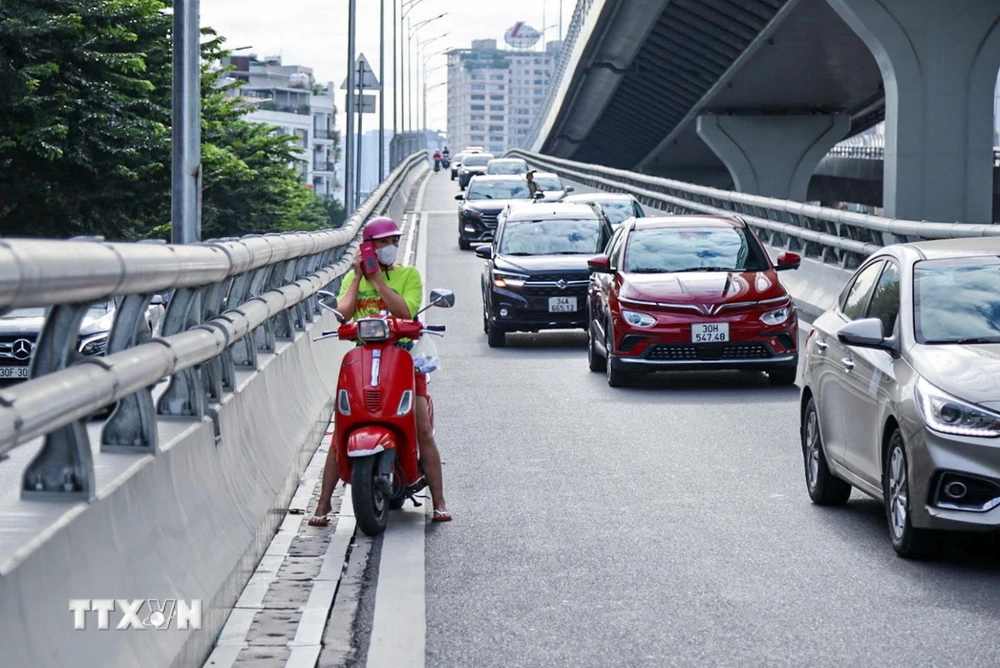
point(638, 319)
point(777, 316)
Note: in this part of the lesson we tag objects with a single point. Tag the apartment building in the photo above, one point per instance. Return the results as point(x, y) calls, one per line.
point(288, 98)
point(494, 94)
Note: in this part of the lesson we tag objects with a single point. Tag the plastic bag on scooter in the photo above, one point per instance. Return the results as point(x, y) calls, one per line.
point(425, 355)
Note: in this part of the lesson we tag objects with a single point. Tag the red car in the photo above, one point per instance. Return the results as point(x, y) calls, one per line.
point(685, 293)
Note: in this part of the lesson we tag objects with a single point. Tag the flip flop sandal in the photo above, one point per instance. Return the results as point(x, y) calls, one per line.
point(320, 520)
point(441, 516)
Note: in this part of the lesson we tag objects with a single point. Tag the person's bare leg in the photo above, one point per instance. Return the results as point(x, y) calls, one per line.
point(331, 475)
point(429, 456)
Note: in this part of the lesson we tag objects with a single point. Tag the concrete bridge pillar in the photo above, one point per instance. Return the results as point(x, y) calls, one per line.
point(772, 156)
point(939, 63)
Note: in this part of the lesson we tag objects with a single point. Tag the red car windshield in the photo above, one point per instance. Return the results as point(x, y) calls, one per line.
point(686, 249)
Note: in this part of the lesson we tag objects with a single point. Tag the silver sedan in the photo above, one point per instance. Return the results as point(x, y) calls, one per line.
point(901, 390)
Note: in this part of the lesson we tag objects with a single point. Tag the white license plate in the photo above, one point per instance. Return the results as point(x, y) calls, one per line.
point(562, 304)
point(713, 332)
point(13, 372)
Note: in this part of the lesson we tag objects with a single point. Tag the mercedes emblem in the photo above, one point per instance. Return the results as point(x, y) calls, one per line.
point(21, 349)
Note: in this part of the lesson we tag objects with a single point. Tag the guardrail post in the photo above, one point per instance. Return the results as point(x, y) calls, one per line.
point(283, 325)
point(132, 425)
point(213, 306)
point(185, 395)
point(64, 467)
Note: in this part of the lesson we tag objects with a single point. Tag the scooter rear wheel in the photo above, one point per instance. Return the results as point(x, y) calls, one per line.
point(371, 508)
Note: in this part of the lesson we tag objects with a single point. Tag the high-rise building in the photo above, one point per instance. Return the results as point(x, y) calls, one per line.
point(494, 94)
point(288, 97)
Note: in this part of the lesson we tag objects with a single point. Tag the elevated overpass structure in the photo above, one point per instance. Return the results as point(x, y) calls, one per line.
point(753, 94)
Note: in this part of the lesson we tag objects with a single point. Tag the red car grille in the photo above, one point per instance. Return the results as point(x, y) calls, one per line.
point(731, 351)
point(373, 401)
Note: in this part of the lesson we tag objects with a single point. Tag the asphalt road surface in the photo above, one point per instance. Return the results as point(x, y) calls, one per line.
point(661, 525)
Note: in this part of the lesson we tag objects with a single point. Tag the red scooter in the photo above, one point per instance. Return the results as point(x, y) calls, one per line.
point(375, 431)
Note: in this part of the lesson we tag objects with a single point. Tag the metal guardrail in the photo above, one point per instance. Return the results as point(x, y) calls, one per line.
point(230, 299)
point(878, 153)
point(842, 238)
point(583, 8)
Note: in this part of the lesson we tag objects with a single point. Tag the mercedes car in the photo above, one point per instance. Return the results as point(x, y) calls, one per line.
point(536, 273)
point(684, 293)
point(901, 391)
point(19, 330)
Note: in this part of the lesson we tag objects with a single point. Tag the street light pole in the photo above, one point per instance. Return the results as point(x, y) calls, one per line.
point(349, 148)
point(381, 97)
point(185, 172)
point(395, 70)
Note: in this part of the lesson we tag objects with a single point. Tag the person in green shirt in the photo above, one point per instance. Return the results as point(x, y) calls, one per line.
point(397, 290)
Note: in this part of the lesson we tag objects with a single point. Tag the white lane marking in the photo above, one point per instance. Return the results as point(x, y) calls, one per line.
point(399, 630)
point(303, 657)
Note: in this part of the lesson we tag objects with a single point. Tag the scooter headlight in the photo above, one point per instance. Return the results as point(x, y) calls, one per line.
point(373, 329)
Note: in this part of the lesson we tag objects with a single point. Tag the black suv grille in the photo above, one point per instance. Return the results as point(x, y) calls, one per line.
point(532, 290)
point(708, 352)
point(16, 349)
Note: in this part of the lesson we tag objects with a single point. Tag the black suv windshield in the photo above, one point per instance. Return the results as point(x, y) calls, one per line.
point(476, 160)
point(485, 189)
point(565, 236)
point(957, 301)
point(693, 249)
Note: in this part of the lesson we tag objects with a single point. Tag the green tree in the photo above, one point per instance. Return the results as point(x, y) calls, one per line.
point(85, 131)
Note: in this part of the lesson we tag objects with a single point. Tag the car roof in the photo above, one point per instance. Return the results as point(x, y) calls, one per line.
point(508, 160)
point(945, 248)
point(599, 197)
point(499, 177)
point(667, 222)
point(550, 210)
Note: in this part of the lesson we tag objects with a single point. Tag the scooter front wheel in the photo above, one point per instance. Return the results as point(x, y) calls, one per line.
point(371, 507)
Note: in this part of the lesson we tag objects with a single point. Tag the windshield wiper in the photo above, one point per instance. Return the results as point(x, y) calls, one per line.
point(968, 339)
point(518, 253)
point(707, 269)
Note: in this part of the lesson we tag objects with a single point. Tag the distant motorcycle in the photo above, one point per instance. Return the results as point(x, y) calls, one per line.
point(446, 162)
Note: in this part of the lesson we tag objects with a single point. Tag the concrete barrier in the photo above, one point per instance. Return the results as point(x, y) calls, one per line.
point(189, 523)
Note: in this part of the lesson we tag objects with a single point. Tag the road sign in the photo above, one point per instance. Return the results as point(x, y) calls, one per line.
point(366, 104)
point(522, 36)
point(364, 77)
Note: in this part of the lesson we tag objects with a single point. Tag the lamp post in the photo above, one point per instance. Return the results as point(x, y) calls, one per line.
point(381, 97)
point(185, 172)
point(349, 148)
point(423, 64)
point(411, 31)
point(399, 91)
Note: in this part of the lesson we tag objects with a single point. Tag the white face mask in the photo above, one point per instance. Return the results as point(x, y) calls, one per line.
point(387, 254)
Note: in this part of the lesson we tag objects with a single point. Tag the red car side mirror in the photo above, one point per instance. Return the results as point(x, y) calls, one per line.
point(600, 264)
point(788, 261)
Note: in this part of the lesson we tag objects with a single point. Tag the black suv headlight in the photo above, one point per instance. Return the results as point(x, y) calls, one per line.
point(472, 213)
point(508, 280)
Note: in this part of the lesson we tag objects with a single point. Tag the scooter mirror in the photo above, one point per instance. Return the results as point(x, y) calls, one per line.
point(443, 298)
point(328, 298)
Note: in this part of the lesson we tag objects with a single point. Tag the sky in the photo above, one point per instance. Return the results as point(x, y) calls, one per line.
point(313, 33)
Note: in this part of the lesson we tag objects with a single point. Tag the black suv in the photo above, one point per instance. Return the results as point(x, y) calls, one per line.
point(482, 203)
point(536, 276)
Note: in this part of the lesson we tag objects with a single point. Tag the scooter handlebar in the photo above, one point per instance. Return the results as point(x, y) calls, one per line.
point(435, 328)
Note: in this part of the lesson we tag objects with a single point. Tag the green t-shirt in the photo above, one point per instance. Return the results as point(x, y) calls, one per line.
point(405, 281)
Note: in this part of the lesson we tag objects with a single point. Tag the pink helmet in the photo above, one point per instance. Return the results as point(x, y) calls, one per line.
point(380, 228)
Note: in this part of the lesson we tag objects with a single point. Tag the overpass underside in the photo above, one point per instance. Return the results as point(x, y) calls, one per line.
point(752, 94)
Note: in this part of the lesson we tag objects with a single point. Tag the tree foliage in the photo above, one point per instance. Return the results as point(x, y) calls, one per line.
point(85, 101)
